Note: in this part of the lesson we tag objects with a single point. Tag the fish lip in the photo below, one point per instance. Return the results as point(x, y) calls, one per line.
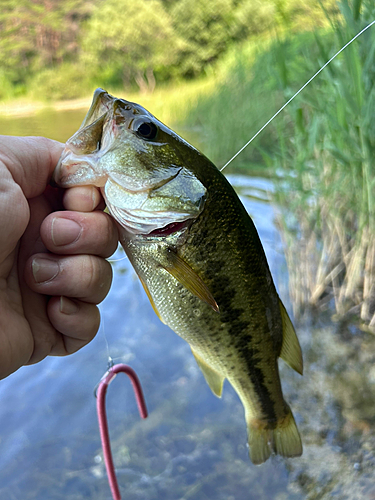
point(66, 169)
point(74, 166)
point(55, 179)
point(159, 232)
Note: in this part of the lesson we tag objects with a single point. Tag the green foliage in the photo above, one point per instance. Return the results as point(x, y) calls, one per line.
point(38, 34)
point(247, 94)
point(119, 42)
point(332, 123)
point(67, 81)
point(210, 26)
point(328, 173)
point(129, 40)
point(204, 24)
point(7, 90)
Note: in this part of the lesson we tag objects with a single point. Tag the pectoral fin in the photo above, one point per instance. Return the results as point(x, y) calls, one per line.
point(183, 273)
point(291, 350)
point(151, 299)
point(213, 378)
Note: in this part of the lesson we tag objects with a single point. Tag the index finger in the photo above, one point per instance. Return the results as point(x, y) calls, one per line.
point(83, 199)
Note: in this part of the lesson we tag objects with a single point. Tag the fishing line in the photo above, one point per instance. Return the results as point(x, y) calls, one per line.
point(298, 92)
point(117, 260)
point(110, 359)
point(121, 258)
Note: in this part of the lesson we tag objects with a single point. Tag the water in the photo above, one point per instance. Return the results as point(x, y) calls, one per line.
point(193, 445)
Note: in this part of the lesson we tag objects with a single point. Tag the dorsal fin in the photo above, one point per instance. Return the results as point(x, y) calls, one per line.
point(290, 350)
point(213, 378)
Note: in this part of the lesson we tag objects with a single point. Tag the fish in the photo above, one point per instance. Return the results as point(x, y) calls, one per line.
point(198, 256)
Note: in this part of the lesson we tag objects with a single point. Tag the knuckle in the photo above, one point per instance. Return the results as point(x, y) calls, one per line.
point(97, 275)
point(91, 272)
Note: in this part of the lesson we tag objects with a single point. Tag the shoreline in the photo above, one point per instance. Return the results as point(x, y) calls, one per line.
point(27, 108)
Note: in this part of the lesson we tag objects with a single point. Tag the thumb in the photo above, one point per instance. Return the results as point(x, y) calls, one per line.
point(30, 160)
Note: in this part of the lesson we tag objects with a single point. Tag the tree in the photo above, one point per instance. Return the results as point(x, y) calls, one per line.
point(38, 34)
point(205, 25)
point(130, 40)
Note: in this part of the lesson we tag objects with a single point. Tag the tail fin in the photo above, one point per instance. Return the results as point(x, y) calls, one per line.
point(283, 440)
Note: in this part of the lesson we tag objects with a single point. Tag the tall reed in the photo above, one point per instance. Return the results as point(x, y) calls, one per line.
point(326, 161)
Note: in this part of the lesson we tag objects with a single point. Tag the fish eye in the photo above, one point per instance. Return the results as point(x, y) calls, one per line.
point(147, 130)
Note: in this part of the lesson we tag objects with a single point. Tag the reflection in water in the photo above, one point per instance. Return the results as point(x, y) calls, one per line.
point(192, 446)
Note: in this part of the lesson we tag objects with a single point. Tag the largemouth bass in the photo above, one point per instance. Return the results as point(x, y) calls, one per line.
point(198, 256)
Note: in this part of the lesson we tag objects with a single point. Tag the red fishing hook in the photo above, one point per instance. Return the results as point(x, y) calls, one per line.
point(103, 422)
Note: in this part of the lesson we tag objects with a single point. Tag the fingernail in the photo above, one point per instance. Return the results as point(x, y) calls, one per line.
point(67, 306)
point(44, 269)
point(65, 231)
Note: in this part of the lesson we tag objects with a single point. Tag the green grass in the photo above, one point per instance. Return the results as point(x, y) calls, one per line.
point(250, 89)
point(320, 150)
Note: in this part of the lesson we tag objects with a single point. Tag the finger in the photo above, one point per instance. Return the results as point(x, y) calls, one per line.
point(77, 321)
point(30, 160)
point(86, 277)
point(83, 199)
point(15, 214)
point(92, 233)
point(71, 325)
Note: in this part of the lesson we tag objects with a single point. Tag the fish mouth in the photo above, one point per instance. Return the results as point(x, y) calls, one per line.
point(75, 170)
point(101, 104)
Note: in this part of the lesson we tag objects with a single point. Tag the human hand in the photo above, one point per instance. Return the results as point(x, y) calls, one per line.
point(53, 270)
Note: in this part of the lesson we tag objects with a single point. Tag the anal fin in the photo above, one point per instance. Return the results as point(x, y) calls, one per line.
point(213, 378)
point(290, 350)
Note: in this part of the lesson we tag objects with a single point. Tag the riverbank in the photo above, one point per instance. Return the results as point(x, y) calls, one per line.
point(24, 107)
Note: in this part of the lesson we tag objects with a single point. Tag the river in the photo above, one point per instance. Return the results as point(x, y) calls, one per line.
point(193, 445)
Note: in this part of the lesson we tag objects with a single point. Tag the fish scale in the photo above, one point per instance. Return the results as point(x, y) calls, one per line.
point(198, 256)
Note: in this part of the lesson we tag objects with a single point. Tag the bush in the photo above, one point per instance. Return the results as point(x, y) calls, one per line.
point(67, 81)
point(6, 86)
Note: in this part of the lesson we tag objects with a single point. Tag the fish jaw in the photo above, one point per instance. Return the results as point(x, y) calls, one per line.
point(101, 103)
